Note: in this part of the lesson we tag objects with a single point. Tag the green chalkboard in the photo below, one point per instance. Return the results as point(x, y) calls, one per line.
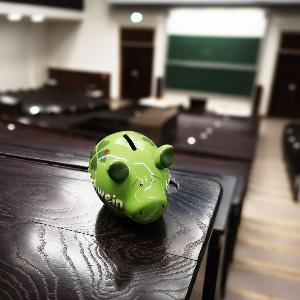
point(230, 82)
point(237, 50)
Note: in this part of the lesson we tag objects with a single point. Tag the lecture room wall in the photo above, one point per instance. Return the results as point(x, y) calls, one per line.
point(93, 45)
point(218, 58)
point(89, 42)
point(98, 36)
point(22, 55)
point(279, 21)
point(24, 47)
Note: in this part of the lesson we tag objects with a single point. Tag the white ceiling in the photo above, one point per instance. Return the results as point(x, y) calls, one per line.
point(205, 2)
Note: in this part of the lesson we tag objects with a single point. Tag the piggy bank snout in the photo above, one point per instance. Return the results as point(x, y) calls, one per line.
point(149, 210)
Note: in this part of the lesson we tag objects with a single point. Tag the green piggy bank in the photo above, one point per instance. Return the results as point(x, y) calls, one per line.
point(130, 175)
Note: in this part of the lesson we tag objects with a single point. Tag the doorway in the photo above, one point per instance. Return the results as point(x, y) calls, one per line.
point(137, 47)
point(285, 98)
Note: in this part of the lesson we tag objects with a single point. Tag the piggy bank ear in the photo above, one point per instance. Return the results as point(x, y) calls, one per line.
point(164, 156)
point(118, 171)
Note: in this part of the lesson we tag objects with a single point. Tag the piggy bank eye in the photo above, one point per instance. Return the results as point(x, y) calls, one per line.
point(141, 185)
point(118, 171)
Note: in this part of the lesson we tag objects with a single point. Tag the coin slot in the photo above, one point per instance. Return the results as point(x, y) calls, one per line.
point(130, 142)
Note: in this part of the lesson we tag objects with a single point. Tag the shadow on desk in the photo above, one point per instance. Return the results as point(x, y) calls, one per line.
point(134, 253)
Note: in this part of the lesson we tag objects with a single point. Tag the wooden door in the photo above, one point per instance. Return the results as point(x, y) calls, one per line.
point(285, 99)
point(136, 60)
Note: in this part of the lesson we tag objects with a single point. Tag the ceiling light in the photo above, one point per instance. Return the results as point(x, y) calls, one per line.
point(292, 139)
point(191, 140)
point(136, 17)
point(296, 146)
point(38, 18)
point(24, 120)
point(217, 123)
point(11, 127)
point(14, 17)
point(203, 135)
point(53, 109)
point(73, 108)
point(8, 100)
point(209, 130)
point(34, 110)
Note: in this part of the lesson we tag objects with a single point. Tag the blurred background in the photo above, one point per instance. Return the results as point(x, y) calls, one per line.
point(219, 80)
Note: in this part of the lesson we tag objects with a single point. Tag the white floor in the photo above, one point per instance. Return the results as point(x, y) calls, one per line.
point(267, 258)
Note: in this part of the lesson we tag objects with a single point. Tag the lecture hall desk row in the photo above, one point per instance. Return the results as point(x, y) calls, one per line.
point(62, 156)
point(205, 134)
point(50, 100)
point(151, 121)
point(214, 135)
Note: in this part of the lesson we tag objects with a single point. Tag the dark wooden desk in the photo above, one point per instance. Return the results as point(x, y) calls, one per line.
point(58, 240)
point(62, 122)
point(290, 140)
point(65, 101)
point(32, 136)
point(216, 259)
point(51, 148)
point(240, 171)
point(155, 123)
point(225, 137)
point(94, 124)
point(45, 145)
point(227, 149)
point(109, 121)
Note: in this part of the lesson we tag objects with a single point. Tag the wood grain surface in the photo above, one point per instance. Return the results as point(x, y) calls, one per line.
point(59, 242)
point(227, 219)
point(66, 198)
point(39, 261)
